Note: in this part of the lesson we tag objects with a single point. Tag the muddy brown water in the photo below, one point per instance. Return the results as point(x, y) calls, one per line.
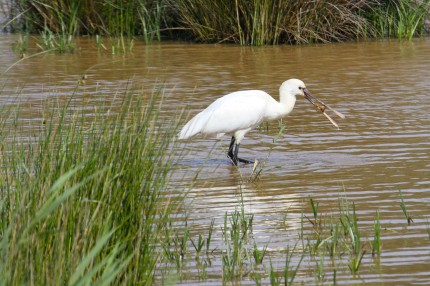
point(383, 145)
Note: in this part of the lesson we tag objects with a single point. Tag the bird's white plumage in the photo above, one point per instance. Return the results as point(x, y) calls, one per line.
point(228, 114)
point(238, 112)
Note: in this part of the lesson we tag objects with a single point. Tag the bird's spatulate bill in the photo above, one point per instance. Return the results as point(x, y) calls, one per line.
point(321, 106)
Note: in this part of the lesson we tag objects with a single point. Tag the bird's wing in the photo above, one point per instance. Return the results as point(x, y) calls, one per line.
point(235, 111)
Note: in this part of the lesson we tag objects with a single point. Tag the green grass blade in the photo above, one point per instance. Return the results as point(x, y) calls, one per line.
point(77, 277)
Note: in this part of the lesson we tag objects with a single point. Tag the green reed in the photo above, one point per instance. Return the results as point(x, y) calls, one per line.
point(263, 22)
point(60, 25)
point(402, 19)
point(314, 210)
point(114, 18)
point(319, 272)
point(287, 275)
point(259, 254)
point(288, 271)
point(336, 238)
point(236, 231)
point(349, 223)
point(405, 209)
point(20, 46)
point(151, 15)
point(376, 244)
point(203, 243)
point(428, 229)
point(60, 42)
point(83, 198)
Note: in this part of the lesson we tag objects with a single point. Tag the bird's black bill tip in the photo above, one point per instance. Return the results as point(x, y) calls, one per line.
point(315, 101)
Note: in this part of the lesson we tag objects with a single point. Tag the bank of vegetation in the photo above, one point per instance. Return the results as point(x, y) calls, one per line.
point(245, 22)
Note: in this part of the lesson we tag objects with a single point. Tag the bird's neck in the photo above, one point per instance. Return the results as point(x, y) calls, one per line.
point(281, 108)
point(287, 102)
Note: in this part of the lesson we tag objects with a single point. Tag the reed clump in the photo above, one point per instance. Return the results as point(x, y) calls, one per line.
point(402, 19)
point(115, 18)
point(244, 22)
point(262, 22)
point(83, 200)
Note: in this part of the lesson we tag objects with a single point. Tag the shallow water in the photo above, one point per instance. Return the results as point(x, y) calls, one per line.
point(383, 145)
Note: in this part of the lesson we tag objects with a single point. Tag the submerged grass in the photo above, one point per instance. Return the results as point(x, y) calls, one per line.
point(60, 42)
point(83, 202)
point(236, 231)
point(332, 246)
point(21, 45)
point(404, 209)
point(376, 244)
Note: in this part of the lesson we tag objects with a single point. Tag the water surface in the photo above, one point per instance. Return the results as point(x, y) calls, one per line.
point(383, 145)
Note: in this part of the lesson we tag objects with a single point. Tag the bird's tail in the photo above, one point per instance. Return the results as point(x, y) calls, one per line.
point(185, 133)
point(192, 128)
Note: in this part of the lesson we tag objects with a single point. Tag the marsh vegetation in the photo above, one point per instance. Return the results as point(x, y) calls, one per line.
point(257, 22)
point(83, 198)
point(86, 190)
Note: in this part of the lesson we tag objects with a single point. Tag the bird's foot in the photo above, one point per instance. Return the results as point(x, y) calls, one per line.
point(245, 161)
point(235, 161)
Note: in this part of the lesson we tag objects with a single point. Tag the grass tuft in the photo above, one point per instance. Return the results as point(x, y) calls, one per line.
point(402, 19)
point(84, 200)
point(376, 244)
point(404, 209)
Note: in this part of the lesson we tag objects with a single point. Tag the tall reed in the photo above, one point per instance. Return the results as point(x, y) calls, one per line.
point(107, 17)
point(84, 201)
point(402, 19)
point(262, 22)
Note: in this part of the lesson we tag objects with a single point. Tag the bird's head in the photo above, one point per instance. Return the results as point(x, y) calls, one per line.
point(297, 87)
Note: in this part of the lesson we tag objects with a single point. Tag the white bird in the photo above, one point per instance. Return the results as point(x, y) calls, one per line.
point(239, 112)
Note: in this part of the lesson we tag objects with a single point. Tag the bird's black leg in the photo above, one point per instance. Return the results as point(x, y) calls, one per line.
point(231, 155)
point(233, 150)
point(231, 147)
point(237, 159)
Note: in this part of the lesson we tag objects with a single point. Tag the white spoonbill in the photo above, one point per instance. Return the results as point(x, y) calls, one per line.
point(239, 112)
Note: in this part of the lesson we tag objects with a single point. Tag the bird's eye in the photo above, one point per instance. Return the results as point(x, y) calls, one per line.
point(300, 87)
